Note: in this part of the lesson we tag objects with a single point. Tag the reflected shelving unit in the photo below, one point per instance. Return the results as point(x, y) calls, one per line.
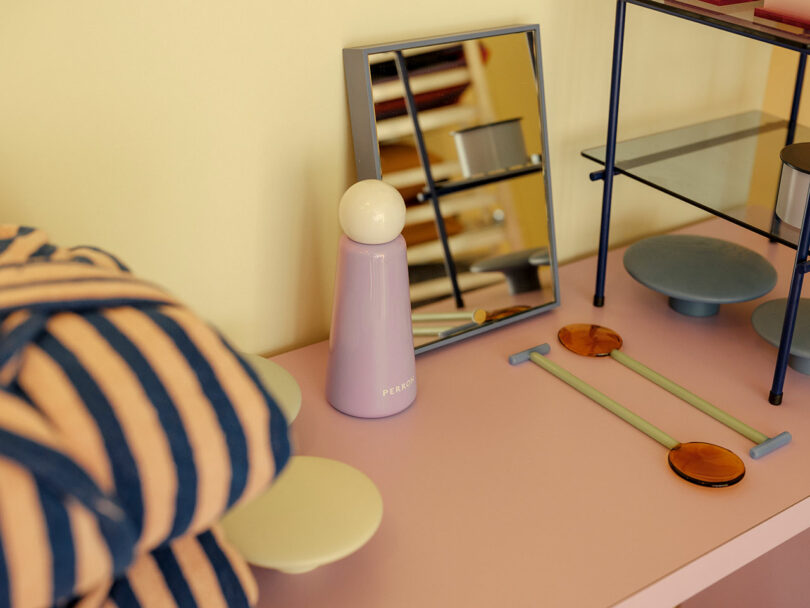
point(435, 89)
point(729, 167)
point(420, 97)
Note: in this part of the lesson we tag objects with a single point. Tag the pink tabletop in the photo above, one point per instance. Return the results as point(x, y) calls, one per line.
point(502, 486)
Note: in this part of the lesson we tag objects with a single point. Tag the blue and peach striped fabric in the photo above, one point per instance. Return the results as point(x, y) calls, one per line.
point(127, 428)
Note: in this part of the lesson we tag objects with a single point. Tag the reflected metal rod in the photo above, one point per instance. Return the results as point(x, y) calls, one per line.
point(410, 102)
point(478, 315)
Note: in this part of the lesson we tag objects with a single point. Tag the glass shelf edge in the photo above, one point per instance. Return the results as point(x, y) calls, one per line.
point(763, 210)
point(716, 212)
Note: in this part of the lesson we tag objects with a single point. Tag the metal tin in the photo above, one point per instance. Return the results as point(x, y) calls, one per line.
point(491, 147)
point(794, 184)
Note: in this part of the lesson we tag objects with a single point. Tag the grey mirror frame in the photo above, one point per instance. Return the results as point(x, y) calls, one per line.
point(366, 145)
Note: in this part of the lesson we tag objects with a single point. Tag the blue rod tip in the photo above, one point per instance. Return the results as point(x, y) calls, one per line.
point(769, 445)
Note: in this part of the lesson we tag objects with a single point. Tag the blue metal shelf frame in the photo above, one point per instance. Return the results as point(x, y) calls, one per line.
point(800, 266)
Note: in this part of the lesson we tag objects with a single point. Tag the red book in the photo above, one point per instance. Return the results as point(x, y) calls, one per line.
point(726, 2)
point(765, 13)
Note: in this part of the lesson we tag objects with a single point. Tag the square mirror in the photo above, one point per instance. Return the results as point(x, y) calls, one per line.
point(458, 125)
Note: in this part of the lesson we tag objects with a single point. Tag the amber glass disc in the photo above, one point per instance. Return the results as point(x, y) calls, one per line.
point(589, 340)
point(706, 464)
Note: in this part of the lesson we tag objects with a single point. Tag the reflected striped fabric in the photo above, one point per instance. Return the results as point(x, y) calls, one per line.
point(127, 428)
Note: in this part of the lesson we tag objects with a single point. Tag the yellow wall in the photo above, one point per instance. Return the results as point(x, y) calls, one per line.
point(207, 143)
point(781, 83)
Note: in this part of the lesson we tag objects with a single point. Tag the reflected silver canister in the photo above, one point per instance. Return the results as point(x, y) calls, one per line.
point(794, 184)
point(491, 147)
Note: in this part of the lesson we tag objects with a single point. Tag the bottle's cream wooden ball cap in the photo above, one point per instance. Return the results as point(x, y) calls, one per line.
point(372, 212)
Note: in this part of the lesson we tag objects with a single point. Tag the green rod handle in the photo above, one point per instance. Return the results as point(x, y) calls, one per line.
point(430, 331)
point(418, 317)
point(605, 401)
point(692, 399)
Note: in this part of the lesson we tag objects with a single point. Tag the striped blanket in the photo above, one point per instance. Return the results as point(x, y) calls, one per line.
point(127, 428)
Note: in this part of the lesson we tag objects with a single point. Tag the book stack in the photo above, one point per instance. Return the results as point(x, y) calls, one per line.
point(738, 8)
point(787, 15)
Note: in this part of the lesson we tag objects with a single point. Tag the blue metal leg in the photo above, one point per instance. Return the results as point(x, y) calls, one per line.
point(610, 153)
point(797, 97)
point(790, 311)
point(794, 118)
point(449, 263)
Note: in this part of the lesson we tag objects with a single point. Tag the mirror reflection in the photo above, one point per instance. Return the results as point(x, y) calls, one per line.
point(456, 124)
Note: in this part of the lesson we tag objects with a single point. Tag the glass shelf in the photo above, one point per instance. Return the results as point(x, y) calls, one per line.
point(738, 18)
point(459, 185)
point(729, 167)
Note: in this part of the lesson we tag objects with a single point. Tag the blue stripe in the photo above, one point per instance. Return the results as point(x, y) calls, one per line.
point(173, 575)
point(67, 479)
point(279, 433)
point(116, 261)
point(124, 469)
point(80, 304)
point(45, 251)
point(232, 589)
point(182, 452)
point(21, 231)
point(5, 588)
point(61, 540)
point(82, 260)
point(228, 420)
point(123, 595)
point(14, 341)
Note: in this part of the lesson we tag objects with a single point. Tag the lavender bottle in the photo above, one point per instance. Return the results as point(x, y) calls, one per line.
point(371, 370)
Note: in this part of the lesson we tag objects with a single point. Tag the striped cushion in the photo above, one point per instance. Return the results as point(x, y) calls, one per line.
point(127, 427)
